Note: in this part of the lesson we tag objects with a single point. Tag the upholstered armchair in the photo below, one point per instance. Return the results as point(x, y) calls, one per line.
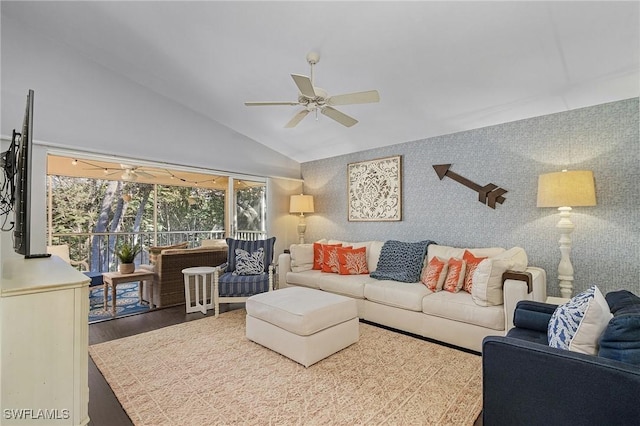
point(527, 382)
point(249, 270)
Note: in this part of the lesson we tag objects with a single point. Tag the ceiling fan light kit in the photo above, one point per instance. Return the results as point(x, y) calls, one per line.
point(313, 98)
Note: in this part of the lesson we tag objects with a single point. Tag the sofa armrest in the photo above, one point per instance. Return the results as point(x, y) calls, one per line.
point(533, 315)
point(529, 383)
point(515, 290)
point(284, 264)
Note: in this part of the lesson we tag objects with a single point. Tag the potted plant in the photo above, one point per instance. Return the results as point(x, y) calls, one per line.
point(127, 254)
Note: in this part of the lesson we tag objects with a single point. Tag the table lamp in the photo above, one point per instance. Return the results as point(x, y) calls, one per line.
point(564, 190)
point(301, 204)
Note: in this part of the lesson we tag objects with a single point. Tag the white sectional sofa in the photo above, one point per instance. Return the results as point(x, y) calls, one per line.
point(462, 319)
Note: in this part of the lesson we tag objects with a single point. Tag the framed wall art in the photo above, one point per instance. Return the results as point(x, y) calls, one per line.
point(374, 190)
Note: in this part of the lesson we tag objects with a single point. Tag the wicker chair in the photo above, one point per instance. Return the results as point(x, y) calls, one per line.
point(229, 286)
point(168, 284)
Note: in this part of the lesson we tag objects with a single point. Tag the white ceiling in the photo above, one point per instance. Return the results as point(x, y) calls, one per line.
point(440, 67)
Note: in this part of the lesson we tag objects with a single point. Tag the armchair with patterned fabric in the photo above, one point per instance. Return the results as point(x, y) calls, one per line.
point(249, 270)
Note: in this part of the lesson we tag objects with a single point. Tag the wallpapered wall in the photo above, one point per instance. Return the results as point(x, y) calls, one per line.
point(606, 241)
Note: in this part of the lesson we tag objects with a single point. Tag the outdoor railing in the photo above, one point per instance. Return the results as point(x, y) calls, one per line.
point(98, 248)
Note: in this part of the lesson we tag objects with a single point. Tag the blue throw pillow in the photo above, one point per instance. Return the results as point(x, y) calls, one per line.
point(621, 339)
point(400, 261)
point(578, 324)
point(250, 246)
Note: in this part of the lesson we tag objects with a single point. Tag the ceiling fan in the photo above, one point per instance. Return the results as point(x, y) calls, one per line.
point(313, 98)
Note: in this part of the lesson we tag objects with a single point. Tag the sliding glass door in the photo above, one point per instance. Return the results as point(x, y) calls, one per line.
point(248, 208)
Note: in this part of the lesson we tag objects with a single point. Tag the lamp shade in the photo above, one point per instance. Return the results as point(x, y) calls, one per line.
point(301, 204)
point(566, 189)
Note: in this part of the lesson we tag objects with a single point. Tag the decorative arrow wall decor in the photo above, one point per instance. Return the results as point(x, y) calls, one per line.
point(489, 194)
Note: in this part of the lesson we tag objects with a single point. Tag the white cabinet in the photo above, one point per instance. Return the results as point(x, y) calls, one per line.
point(44, 336)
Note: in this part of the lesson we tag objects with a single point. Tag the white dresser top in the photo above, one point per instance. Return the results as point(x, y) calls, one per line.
point(25, 276)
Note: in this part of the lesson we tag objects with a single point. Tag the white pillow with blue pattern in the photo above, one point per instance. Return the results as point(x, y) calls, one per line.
point(578, 324)
point(249, 263)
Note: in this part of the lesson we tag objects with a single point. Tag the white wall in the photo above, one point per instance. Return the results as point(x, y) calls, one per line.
point(80, 104)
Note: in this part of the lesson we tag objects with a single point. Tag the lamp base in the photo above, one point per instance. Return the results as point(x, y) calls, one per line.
point(565, 269)
point(302, 228)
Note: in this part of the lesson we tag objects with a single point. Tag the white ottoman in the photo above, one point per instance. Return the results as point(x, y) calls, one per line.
point(303, 324)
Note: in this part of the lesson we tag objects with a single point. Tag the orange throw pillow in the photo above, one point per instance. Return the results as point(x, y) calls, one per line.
point(455, 275)
point(472, 264)
point(352, 261)
point(434, 274)
point(318, 254)
point(331, 263)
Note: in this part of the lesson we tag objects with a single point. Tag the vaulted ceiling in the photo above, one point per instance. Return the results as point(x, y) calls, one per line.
point(440, 67)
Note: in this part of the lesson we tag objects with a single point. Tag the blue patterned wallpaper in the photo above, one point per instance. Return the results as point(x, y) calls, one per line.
point(606, 240)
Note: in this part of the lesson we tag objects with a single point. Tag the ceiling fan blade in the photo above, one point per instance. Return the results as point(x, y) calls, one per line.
point(304, 85)
point(267, 103)
point(355, 98)
point(297, 118)
point(340, 117)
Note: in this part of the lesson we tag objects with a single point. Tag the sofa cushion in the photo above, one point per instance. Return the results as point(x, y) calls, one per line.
point(621, 339)
point(455, 275)
point(434, 273)
point(401, 261)
point(250, 246)
point(301, 257)
point(578, 324)
point(446, 252)
point(460, 307)
point(621, 299)
point(487, 279)
point(306, 279)
point(397, 294)
point(352, 261)
point(373, 254)
point(347, 285)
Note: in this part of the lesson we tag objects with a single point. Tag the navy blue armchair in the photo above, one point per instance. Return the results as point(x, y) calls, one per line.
point(526, 382)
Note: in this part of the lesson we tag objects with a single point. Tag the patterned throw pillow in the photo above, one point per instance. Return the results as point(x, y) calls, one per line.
point(455, 275)
point(578, 324)
point(472, 265)
point(318, 254)
point(249, 263)
point(250, 246)
point(352, 261)
point(330, 257)
point(434, 273)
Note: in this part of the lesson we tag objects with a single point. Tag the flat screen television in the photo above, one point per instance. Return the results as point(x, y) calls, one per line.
point(22, 203)
point(16, 192)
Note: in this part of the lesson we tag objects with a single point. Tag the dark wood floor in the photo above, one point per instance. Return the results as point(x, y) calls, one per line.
point(104, 407)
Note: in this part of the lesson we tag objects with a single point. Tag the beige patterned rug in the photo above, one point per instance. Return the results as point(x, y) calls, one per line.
point(206, 372)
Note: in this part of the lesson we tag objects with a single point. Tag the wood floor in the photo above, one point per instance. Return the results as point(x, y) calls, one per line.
point(104, 408)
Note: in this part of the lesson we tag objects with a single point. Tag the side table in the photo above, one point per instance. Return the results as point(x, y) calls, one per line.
point(114, 278)
point(557, 300)
point(201, 275)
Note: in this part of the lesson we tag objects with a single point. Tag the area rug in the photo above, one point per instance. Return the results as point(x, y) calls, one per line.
point(127, 302)
point(206, 372)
